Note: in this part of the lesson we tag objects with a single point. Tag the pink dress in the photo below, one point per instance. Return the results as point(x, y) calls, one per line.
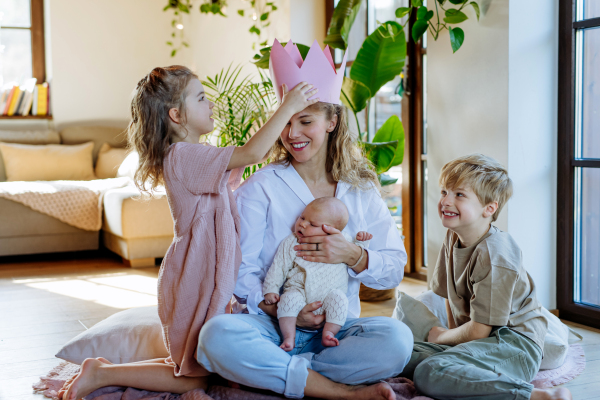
point(199, 271)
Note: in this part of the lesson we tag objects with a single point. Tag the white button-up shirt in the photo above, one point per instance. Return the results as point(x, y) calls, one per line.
point(269, 203)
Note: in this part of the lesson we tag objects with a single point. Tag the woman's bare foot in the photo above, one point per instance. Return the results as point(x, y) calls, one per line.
point(378, 391)
point(68, 382)
point(329, 340)
point(551, 394)
point(288, 344)
point(85, 382)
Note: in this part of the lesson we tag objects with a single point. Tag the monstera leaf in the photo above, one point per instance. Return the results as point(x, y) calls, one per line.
point(262, 60)
point(381, 57)
point(341, 23)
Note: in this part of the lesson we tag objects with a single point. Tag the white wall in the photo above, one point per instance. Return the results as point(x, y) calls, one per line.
point(98, 50)
point(497, 96)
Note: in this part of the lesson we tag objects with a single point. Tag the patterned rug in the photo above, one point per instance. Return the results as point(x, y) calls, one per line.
point(572, 367)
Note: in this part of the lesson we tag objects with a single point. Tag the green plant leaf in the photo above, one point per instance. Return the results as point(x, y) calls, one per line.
point(457, 2)
point(391, 131)
point(381, 57)
point(418, 29)
point(457, 37)
point(254, 29)
point(185, 44)
point(273, 8)
point(341, 22)
point(173, 53)
point(380, 154)
point(263, 59)
point(241, 12)
point(205, 8)
point(167, 7)
point(454, 16)
point(421, 13)
point(441, 2)
point(476, 8)
point(170, 43)
point(184, 8)
point(355, 94)
point(386, 180)
point(264, 16)
point(417, 3)
point(402, 11)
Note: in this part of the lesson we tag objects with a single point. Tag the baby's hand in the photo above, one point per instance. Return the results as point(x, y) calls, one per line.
point(298, 98)
point(271, 298)
point(363, 236)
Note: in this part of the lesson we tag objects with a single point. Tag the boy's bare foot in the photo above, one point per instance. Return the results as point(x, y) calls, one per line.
point(551, 394)
point(85, 382)
point(378, 391)
point(329, 340)
point(288, 344)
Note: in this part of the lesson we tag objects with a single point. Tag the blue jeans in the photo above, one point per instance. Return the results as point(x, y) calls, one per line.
point(498, 367)
point(244, 348)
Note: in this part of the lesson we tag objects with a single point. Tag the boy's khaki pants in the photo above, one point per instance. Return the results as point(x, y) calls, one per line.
point(497, 367)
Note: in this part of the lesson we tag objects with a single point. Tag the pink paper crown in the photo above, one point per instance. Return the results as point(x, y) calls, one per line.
point(286, 66)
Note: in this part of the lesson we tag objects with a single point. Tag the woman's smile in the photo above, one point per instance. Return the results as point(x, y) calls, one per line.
point(299, 146)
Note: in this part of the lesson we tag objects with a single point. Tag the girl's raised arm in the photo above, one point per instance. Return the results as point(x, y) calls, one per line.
point(255, 149)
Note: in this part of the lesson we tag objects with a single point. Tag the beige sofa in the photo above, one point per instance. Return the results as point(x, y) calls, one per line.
point(138, 231)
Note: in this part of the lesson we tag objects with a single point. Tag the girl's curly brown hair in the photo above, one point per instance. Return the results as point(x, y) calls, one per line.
point(149, 133)
point(345, 159)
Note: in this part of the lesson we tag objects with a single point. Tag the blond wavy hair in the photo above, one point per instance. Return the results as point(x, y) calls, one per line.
point(149, 133)
point(485, 176)
point(345, 159)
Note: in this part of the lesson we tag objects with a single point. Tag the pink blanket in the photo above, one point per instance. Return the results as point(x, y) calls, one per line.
point(220, 390)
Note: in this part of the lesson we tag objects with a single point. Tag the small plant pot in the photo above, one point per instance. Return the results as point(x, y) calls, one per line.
point(368, 294)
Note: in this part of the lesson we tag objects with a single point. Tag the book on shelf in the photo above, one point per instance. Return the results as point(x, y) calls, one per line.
point(27, 89)
point(27, 99)
point(42, 100)
point(15, 101)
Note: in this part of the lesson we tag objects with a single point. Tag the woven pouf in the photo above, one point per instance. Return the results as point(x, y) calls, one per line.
point(368, 294)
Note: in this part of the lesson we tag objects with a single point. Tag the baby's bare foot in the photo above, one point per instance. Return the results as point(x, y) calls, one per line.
point(329, 340)
point(287, 345)
point(85, 382)
point(379, 391)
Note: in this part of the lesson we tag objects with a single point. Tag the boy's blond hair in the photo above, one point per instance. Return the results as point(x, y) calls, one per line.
point(485, 176)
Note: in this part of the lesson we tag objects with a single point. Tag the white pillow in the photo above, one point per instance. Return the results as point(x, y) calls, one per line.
point(556, 341)
point(109, 160)
point(415, 315)
point(129, 165)
point(127, 336)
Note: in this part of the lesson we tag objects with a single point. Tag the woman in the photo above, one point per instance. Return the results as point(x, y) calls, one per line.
point(314, 157)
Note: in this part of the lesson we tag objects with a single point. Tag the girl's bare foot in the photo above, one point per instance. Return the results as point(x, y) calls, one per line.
point(68, 382)
point(551, 394)
point(85, 382)
point(378, 391)
point(329, 340)
point(288, 344)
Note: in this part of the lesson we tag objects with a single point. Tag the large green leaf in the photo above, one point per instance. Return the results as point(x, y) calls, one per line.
point(381, 57)
point(385, 180)
point(341, 22)
point(355, 94)
point(454, 16)
point(457, 37)
point(391, 131)
point(262, 59)
point(380, 154)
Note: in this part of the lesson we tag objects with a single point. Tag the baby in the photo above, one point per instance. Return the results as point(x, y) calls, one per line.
point(307, 281)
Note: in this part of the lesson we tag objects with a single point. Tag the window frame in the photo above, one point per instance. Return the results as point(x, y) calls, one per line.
point(38, 47)
point(566, 167)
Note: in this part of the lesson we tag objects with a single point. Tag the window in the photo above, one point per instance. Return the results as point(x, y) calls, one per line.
point(21, 41)
point(406, 199)
point(578, 246)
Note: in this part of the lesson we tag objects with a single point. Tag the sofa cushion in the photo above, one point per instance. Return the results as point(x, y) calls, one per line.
point(109, 160)
point(50, 162)
point(26, 137)
point(115, 137)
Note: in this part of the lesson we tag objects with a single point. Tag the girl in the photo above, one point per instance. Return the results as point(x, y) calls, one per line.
point(170, 112)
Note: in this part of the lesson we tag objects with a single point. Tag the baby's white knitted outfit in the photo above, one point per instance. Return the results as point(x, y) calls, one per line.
point(307, 282)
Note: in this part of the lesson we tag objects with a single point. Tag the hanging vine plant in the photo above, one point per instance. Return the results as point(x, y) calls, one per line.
point(258, 10)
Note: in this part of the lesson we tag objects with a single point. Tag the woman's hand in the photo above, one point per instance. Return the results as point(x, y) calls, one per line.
point(330, 249)
point(306, 318)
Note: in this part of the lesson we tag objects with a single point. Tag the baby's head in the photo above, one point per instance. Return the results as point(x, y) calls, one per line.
point(322, 211)
point(474, 187)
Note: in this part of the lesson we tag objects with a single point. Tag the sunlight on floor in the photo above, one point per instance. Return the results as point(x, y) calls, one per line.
point(115, 290)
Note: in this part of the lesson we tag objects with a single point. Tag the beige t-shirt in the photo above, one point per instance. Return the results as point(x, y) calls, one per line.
point(487, 283)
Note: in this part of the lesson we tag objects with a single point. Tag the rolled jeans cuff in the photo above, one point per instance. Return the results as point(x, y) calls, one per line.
point(524, 393)
point(297, 373)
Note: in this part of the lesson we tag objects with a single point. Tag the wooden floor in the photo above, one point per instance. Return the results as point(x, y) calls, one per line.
point(47, 300)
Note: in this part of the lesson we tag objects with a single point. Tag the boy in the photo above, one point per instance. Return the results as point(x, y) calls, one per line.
point(493, 348)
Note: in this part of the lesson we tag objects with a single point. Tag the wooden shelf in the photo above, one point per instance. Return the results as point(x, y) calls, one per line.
point(26, 117)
